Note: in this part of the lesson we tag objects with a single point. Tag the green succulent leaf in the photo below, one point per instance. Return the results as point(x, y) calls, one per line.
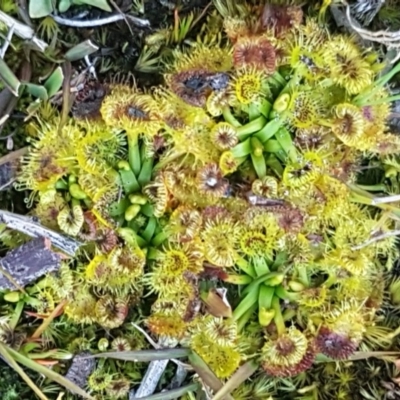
point(64, 5)
point(102, 4)
point(54, 82)
point(40, 8)
point(9, 79)
point(80, 51)
point(37, 91)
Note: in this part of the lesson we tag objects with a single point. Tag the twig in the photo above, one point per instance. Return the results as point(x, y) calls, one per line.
point(386, 199)
point(151, 378)
point(155, 368)
point(66, 97)
point(143, 23)
point(10, 135)
point(46, 322)
point(376, 239)
point(147, 336)
point(7, 184)
point(26, 225)
point(158, 346)
point(91, 67)
point(7, 42)
point(120, 12)
point(23, 31)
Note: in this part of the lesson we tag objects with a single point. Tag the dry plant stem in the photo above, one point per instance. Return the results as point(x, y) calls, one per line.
point(363, 355)
point(13, 364)
point(91, 67)
point(154, 371)
point(31, 228)
point(180, 364)
point(147, 336)
point(75, 85)
point(243, 373)
point(151, 378)
point(386, 199)
point(7, 41)
point(143, 23)
point(7, 184)
point(46, 322)
point(66, 95)
point(376, 239)
point(120, 12)
point(23, 31)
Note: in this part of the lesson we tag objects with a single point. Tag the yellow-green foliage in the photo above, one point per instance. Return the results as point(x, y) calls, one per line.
point(240, 171)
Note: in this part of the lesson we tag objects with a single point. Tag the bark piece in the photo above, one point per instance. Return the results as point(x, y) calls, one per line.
point(28, 262)
point(81, 368)
point(30, 227)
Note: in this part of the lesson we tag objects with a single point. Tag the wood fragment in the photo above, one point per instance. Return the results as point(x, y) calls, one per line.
point(23, 31)
point(30, 227)
point(154, 371)
point(81, 368)
point(26, 263)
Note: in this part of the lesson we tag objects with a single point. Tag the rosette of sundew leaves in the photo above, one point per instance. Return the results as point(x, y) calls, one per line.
point(265, 106)
point(134, 213)
point(263, 134)
point(262, 284)
point(70, 172)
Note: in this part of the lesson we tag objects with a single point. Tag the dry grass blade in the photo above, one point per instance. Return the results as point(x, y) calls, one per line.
point(360, 355)
point(363, 355)
point(48, 373)
point(173, 394)
point(244, 372)
point(4, 351)
point(23, 31)
point(66, 94)
point(46, 322)
point(145, 355)
point(206, 375)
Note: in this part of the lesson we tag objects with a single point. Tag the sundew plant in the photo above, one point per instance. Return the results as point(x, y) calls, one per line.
point(223, 210)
